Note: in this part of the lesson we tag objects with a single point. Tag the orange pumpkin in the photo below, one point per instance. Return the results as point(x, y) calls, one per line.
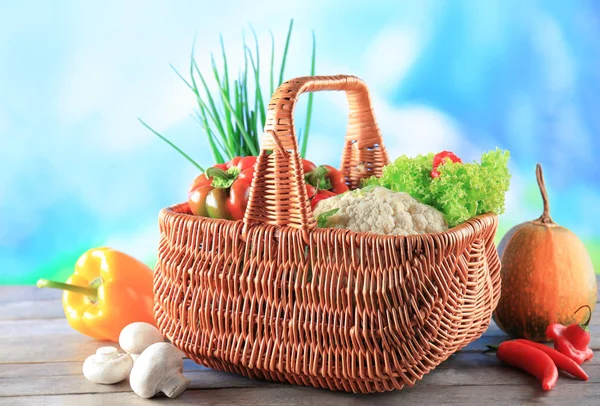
point(547, 275)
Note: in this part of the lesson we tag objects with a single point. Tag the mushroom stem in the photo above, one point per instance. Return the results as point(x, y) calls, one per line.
point(104, 354)
point(175, 385)
point(545, 217)
point(158, 369)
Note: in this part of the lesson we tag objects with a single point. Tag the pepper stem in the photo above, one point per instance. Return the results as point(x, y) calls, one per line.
point(317, 178)
point(222, 179)
point(587, 322)
point(88, 291)
point(491, 348)
point(545, 217)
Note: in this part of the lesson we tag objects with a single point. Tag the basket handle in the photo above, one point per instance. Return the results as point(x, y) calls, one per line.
point(278, 194)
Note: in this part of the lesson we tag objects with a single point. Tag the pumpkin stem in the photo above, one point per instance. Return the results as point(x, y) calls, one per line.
point(545, 217)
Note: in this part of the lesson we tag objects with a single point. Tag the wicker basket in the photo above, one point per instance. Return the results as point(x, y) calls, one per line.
point(272, 297)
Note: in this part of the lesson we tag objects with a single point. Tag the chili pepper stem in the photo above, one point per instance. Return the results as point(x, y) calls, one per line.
point(88, 291)
point(587, 322)
point(491, 348)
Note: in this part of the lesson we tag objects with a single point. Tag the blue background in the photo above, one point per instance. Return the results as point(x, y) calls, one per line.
point(78, 170)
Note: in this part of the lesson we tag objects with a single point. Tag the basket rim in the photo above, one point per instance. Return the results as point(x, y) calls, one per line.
point(179, 211)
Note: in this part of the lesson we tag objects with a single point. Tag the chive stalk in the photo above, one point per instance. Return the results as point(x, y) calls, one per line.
point(232, 118)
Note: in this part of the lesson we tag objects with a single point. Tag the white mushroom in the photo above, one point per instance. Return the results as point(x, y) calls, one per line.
point(158, 369)
point(138, 336)
point(107, 366)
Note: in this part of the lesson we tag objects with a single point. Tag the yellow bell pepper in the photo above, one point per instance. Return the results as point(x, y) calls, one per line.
point(108, 290)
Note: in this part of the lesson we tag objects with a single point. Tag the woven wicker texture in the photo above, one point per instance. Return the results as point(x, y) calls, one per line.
point(272, 297)
point(278, 195)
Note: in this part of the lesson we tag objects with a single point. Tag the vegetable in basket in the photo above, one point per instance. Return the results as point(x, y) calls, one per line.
point(222, 192)
point(459, 190)
point(108, 290)
point(327, 182)
point(378, 210)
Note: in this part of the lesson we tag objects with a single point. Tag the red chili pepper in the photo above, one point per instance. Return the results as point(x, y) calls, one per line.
point(529, 359)
point(561, 361)
point(573, 340)
point(567, 348)
point(440, 158)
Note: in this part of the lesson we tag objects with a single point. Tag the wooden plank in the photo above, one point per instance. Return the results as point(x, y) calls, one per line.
point(27, 342)
point(471, 360)
point(490, 375)
point(568, 393)
point(53, 340)
point(27, 293)
point(77, 384)
point(44, 341)
point(66, 368)
point(31, 310)
point(460, 360)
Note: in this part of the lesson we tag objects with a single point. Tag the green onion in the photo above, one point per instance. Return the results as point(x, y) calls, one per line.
point(232, 118)
point(304, 138)
point(186, 156)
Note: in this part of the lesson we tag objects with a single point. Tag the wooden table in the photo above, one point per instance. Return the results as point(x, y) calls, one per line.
point(41, 359)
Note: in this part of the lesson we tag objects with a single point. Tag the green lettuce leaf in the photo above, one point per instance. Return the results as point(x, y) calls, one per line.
point(462, 190)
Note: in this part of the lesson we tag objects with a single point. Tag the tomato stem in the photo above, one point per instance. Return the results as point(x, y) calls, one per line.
point(545, 217)
point(92, 292)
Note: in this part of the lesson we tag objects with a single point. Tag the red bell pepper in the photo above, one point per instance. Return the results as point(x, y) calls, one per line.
point(326, 177)
point(440, 158)
point(308, 166)
point(222, 192)
point(327, 182)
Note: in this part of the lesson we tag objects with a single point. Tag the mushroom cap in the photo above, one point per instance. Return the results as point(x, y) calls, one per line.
point(158, 369)
point(107, 366)
point(138, 336)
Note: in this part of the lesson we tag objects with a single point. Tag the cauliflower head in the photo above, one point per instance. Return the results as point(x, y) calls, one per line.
point(378, 210)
